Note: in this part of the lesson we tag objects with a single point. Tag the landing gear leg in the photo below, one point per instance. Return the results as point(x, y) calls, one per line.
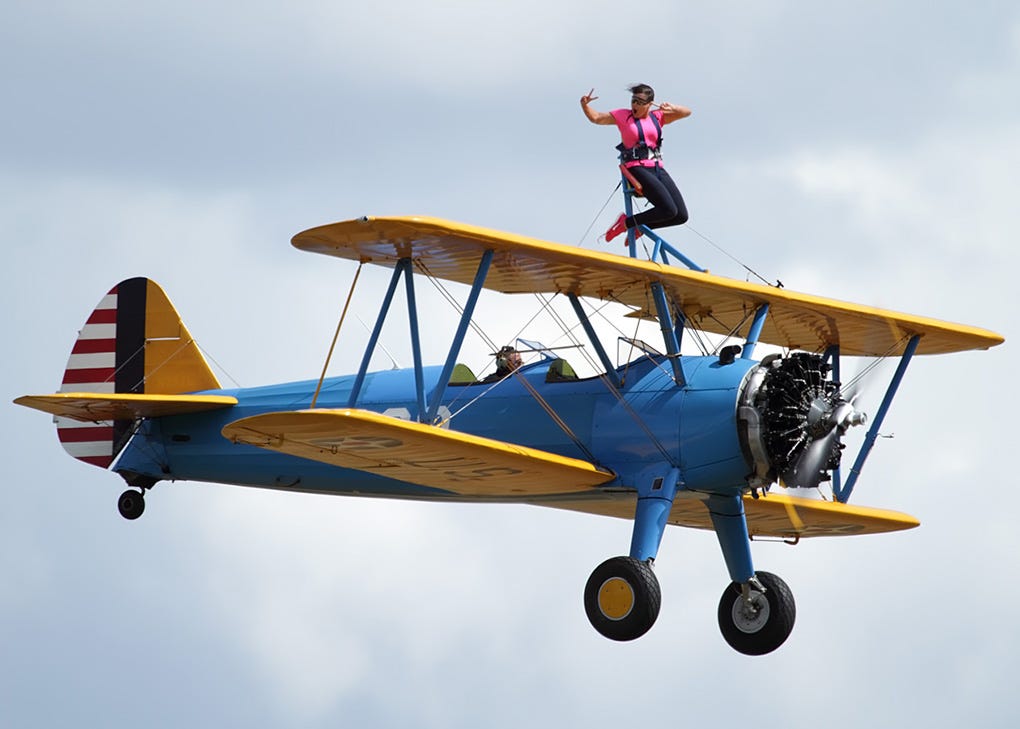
point(131, 504)
point(756, 612)
point(622, 597)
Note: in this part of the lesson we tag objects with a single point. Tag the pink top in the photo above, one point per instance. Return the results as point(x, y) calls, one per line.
point(628, 125)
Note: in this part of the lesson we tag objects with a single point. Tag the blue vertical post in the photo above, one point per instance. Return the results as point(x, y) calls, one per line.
point(661, 246)
point(607, 363)
point(869, 439)
point(668, 332)
point(458, 338)
point(755, 332)
point(412, 315)
point(359, 381)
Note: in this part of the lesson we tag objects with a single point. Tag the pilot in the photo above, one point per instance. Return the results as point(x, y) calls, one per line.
point(508, 359)
point(641, 158)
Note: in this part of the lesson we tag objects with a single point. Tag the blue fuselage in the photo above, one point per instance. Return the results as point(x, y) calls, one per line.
point(652, 421)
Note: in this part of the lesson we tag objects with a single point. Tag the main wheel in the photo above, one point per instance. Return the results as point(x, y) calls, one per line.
point(763, 623)
point(622, 598)
point(131, 504)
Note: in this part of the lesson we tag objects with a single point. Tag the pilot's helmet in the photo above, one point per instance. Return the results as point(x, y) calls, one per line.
point(508, 359)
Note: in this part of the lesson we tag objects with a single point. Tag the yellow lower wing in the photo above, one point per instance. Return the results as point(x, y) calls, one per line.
point(421, 454)
point(776, 515)
point(96, 407)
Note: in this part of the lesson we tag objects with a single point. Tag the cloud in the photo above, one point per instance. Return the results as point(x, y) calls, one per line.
point(865, 153)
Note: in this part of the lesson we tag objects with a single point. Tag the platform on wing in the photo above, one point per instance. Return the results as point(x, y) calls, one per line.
point(452, 251)
point(421, 454)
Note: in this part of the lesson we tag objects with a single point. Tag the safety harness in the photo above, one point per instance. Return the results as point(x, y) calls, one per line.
point(641, 150)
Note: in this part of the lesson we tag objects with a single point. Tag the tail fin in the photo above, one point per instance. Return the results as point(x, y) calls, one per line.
point(134, 342)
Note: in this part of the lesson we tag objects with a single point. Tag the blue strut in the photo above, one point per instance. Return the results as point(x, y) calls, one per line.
point(655, 500)
point(869, 439)
point(730, 524)
point(458, 338)
point(359, 380)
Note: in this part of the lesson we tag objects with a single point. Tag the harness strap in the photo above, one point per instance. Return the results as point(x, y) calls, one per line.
point(641, 131)
point(642, 150)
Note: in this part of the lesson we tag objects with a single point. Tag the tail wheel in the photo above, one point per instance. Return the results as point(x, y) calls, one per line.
point(622, 598)
point(131, 504)
point(761, 622)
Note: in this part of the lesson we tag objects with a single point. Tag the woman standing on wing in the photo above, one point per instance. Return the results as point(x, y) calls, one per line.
point(641, 130)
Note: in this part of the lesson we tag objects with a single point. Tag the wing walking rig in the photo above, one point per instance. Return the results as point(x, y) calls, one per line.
point(664, 439)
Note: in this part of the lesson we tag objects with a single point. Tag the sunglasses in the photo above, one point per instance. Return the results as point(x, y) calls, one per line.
point(639, 101)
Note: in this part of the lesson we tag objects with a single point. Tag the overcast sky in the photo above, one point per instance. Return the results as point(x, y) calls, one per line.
point(867, 151)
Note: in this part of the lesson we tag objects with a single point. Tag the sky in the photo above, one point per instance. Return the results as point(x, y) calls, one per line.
point(865, 151)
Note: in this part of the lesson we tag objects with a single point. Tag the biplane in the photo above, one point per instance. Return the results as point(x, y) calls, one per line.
point(664, 437)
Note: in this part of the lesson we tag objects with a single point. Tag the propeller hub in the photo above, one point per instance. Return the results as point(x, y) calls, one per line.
point(819, 419)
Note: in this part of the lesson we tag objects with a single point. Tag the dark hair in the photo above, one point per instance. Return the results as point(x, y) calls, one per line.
point(644, 90)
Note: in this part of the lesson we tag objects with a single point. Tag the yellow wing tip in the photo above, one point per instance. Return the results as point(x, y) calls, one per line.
point(782, 515)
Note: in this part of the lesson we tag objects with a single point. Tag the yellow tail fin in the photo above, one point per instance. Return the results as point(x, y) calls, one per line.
point(133, 342)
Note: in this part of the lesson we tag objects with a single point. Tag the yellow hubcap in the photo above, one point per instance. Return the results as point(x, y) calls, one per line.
point(616, 598)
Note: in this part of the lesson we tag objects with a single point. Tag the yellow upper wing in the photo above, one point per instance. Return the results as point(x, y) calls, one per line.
point(452, 251)
point(421, 454)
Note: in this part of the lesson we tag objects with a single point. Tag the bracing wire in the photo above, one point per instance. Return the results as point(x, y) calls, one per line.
point(616, 393)
point(855, 381)
point(601, 210)
point(221, 367)
point(777, 284)
point(543, 403)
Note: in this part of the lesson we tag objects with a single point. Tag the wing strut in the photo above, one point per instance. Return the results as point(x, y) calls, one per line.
point(611, 373)
point(412, 315)
point(458, 338)
point(755, 332)
point(359, 381)
point(869, 439)
point(669, 334)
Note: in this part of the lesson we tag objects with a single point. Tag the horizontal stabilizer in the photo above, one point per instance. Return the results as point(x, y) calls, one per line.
point(97, 406)
point(775, 515)
point(421, 454)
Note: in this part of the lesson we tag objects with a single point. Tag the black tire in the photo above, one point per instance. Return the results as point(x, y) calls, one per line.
point(622, 598)
point(131, 504)
point(764, 629)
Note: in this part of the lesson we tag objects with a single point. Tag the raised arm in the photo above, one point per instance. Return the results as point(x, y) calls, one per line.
point(672, 112)
point(595, 117)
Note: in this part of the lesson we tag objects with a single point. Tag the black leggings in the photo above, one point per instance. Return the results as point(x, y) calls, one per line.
point(668, 206)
